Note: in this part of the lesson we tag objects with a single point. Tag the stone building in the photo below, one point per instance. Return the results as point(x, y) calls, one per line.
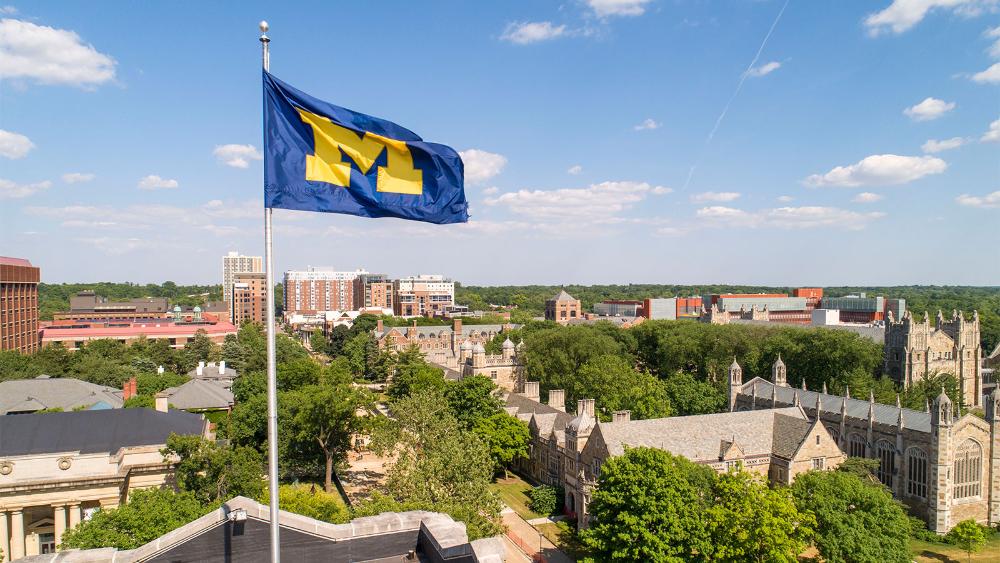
point(563, 308)
point(504, 369)
point(436, 339)
point(944, 466)
point(569, 450)
point(57, 468)
point(915, 350)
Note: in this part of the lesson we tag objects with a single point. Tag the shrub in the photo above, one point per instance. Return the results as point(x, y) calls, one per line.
point(545, 499)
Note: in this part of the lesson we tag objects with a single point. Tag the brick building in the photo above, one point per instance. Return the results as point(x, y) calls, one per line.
point(249, 301)
point(18, 305)
point(373, 291)
point(943, 466)
point(235, 263)
point(87, 305)
point(563, 308)
point(423, 295)
point(317, 289)
point(73, 334)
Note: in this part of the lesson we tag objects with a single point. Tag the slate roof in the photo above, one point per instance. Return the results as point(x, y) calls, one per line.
point(789, 432)
point(548, 418)
point(831, 404)
point(444, 331)
point(211, 371)
point(97, 431)
point(44, 392)
point(699, 437)
point(563, 296)
point(199, 394)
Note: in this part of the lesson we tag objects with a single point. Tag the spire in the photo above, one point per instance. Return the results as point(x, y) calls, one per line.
point(927, 406)
point(843, 407)
point(804, 385)
point(819, 404)
point(779, 373)
point(824, 388)
point(795, 399)
point(735, 374)
point(897, 401)
point(774, 395)
point(899, 420)
point(847, 391)
point(871, 406)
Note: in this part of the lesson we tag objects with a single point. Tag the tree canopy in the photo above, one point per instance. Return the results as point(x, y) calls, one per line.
point(148, 514)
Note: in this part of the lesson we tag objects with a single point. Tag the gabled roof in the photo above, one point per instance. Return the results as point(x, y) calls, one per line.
point(548, 419)
point(700, 437)
point(831, 404)
point(789, 432)
point(199, 394)
point(563, 296)
point(44, 392)
point(218, 536)
point(94, 431)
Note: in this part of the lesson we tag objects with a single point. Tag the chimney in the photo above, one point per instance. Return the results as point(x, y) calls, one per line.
point(622, 416)
point(222, 367)
point(557, 399)
point(380, 326)
point(128, 390)
point(531, 390)
point(457, 327)
point(159, 370)
point(161, 402)
point(411, 331)
point(585, 406)
point(200, 370)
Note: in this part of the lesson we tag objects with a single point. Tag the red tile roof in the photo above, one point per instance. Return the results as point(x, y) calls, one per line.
point(8, 261)
point(148, 329)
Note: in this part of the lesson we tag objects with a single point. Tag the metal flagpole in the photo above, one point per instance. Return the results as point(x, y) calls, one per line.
point(272, 385)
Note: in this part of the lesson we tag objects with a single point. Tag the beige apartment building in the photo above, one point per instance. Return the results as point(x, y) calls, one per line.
point(423, 295)
point(235, 263)
point(249, 298)
point(18, 305)
point(57, 468)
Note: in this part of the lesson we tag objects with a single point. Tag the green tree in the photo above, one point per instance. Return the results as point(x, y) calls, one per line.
point(322, 419)
point(649, 506)
point(214, 473)
point(338, 338)
point(247, 425)
point(318, 342)
point(298, 373)
point(506, 437)
point(545, 499)
point(855, 521)
point(618, 386)
point(412, 373)
point(472, 399)
point(199, 349)
point(752, 522)
point(248, 385)
point(688, 396)
point(967, 535)
point(148, 514)
point(307, 501)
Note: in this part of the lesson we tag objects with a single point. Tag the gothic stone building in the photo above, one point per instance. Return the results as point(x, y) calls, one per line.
point(914, 350)
point(436, 339)
point(504, 369)
point(568, 450)
point(945, 468)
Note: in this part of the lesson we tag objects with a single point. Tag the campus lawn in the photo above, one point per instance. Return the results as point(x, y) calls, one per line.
point(927, 552)
point(563, 535)
point(514, 492)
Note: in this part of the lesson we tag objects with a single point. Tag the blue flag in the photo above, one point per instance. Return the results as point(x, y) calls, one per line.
point(321, 157)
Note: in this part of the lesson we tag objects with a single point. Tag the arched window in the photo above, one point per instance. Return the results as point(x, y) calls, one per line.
point(857, 444)
point(886, 454)
point(968, 471)
point(916, 472)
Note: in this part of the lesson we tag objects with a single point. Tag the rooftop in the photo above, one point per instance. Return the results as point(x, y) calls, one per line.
point(9, 261)
point(44, 392)
point(164, 328)
point(563, 296)
point(199, 394)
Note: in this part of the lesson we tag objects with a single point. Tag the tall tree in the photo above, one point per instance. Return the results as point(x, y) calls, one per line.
point(472, 399)
point(324, 417)
point(505, 436)
point(148, 514)
point(214, 473)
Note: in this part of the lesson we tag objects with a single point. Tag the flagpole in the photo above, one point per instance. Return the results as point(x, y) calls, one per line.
point(272, 384)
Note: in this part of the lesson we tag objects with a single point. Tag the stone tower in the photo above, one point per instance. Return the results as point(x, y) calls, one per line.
point(993, 477)
point(779, 373)
point(916, 349)
point(735, 383)
point(939, 491)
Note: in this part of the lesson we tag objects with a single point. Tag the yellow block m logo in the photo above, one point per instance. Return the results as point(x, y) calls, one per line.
point(327, 165)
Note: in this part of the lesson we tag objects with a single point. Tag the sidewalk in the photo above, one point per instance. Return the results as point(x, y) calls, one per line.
point(531, 540)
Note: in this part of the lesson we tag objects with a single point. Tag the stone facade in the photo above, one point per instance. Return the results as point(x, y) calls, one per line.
point(915, 350)
point(943, 466)
point(563, 308)
point(504, 369)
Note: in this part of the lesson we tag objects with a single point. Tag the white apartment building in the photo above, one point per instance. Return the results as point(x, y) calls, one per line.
point(236, 263)
point(424, 294)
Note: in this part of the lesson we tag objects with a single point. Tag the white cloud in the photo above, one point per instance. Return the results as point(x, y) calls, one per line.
point(715, 196)
point(902, 15)
point(154, 182)
point(993, 134)
point(648, 124)
point(595, 202)
point(77, 177)
point(988, 201)
point(879, 170)
point(994, 34)
point(605, 8)
point(764, 69)
point(249, 209)
point(661, 190)
point(14, 145)
point(930, 108)
point(8, 10)
point(524, 33)
point(785, 198)
point(988, 76)
point(935, 146)
point(575, 169)
point(237, 156)
point(50, 56)
point(13, 190)
point(787, 217)
point(491, 190)
point(867, 197)
point(481, 166)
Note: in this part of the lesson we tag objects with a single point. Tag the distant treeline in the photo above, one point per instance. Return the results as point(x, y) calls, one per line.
point(919, 298)
point(55, 297)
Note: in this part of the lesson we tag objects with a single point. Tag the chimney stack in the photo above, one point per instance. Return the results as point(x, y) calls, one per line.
point(222, 367)
point(161, 402)
point(129, 389)
point(531, 390)
point(585, 406)
point(457, 327)
point(200, 370)
point(557, 399)
point(622, 416)
point(379, 326)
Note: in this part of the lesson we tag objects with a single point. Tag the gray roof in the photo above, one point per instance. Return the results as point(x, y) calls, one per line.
point(789, 432)
point(831, 405)
point(444, 331)
point(699, 437)
point(44, 392)
point(199, 394)
point(563, 296)
point(211, 371)
point(95, 431)
point(522, 407)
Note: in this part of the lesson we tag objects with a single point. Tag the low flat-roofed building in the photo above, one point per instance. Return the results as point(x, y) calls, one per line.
point(56, 468)
point(177, 333)
point(239, 531)
point(23, 396)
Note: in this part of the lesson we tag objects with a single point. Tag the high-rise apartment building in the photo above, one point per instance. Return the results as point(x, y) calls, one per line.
point(236, 263)
point(18, 305)
point(319, 290)
point(249, 298)
point(373, 291)
point(423, 295)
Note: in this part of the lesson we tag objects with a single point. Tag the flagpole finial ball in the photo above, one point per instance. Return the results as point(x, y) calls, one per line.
point(263, 26)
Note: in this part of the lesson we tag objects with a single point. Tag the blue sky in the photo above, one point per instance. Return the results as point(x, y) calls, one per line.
point(862, 146)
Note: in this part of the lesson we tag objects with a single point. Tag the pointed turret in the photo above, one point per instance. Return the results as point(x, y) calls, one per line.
point(795, 399)
point(897, 402)
point(804, 385)
point(871, 406)
point(819, 404)
point(824, 388)
point(941, 414)
point(779, 373)
point(735, 383)
point(927, 406)
point(847, 391)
